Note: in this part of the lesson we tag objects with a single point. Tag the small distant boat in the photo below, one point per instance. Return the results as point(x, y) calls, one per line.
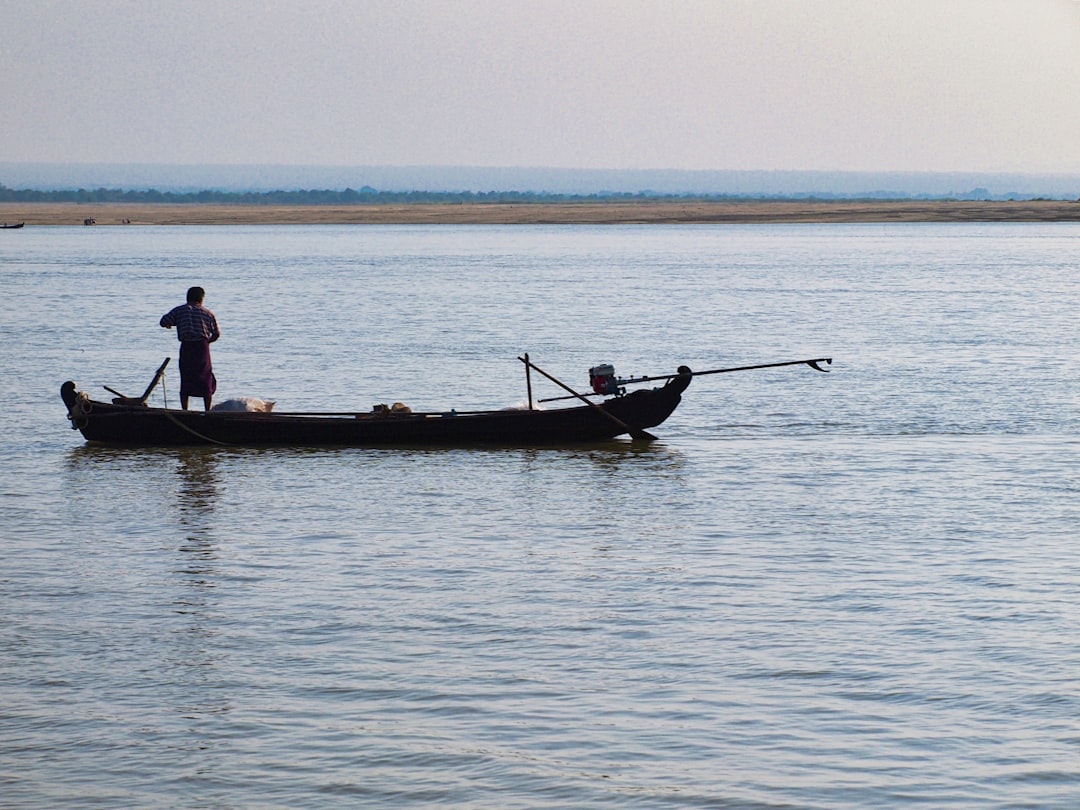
point(7, 227)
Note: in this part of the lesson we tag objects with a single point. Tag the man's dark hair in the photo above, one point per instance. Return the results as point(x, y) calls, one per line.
point(195, 295)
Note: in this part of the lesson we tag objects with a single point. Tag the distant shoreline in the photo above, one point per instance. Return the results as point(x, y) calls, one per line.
point(573, 213)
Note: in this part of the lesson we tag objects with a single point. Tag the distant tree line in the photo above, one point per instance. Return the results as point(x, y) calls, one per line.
point(363, 196)
point(370, 196)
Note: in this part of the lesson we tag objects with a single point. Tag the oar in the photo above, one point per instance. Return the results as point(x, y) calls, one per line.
point(157, 378)
point(634, 432)
point(146, 394)
point(812, 363)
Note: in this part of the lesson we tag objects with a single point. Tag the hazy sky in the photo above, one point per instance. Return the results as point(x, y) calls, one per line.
point(874, 85)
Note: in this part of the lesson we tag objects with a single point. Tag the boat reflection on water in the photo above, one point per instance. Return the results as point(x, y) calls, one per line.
point(173, 483)
point(180, 489)
point(197, 493)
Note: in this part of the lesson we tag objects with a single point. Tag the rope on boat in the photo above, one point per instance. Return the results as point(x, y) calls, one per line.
point(78, 411)
point(193, 432)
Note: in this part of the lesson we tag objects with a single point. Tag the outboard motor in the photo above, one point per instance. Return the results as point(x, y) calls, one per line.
point(602, 379)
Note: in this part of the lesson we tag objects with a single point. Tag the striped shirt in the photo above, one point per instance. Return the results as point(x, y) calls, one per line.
point(192, 322)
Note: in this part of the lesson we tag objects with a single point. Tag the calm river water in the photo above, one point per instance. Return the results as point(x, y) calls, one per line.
point(848, 590)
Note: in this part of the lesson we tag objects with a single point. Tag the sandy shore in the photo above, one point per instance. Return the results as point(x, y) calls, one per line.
point(542, 213)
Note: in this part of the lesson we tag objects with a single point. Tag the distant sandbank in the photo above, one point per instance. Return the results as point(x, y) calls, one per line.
point(583, 213)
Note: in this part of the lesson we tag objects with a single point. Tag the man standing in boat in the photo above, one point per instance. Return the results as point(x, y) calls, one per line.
point(196, 329)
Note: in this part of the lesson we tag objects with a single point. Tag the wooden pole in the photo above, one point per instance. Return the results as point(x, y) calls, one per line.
point(528, 379)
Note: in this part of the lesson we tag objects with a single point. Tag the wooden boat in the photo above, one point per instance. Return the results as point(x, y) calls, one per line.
point(128, 421)
point(7, 227)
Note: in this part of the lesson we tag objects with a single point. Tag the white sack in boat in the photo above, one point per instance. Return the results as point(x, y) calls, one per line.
point(246, 404)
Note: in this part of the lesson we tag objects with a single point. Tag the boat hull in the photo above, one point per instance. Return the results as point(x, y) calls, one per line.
point(140, 426)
